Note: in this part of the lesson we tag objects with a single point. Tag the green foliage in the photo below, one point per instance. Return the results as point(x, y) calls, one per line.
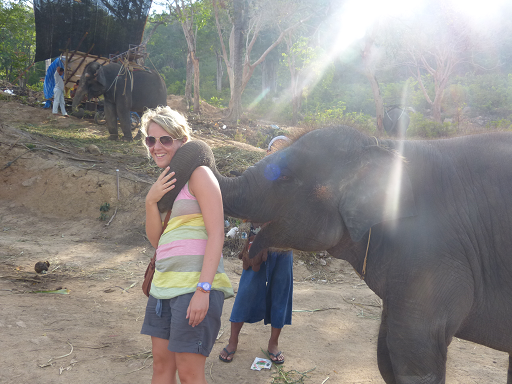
point(337, 116)
point(38, 87)
point(489, 93)
point(177, 88)
point(172, 76)
point(216, 102)
point(17, 39)
point(423, 127)
point(327, 117)
point(503, 124)
point(105, 207)
point(239, 137)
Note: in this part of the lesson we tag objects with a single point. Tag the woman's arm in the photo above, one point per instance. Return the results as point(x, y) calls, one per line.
point(204, 186)
point(153, 220)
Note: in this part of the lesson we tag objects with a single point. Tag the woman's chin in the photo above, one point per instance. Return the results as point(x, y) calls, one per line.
point(162, 162)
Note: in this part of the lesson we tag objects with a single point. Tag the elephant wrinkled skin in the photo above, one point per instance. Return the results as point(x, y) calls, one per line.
point(437, 216)
point(124, 91)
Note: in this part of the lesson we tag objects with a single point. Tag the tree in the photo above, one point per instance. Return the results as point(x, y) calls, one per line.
point(192, 15)
point(300, 57)
point(436, 44)
point(17, 39)
point(370, 59)
point(250, 20)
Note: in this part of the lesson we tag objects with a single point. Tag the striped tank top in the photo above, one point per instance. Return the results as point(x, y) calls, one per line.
point(180, 252)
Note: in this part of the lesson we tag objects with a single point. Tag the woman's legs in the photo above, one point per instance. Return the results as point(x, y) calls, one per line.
point(191, 368)
point(164, 362)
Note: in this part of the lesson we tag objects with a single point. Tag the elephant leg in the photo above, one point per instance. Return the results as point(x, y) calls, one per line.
point(383, 358)
point(417, 351)
point(509, 375)
point(123, 112)
point(111, 117)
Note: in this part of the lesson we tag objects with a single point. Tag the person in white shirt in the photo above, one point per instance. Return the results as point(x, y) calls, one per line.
point(58, 93)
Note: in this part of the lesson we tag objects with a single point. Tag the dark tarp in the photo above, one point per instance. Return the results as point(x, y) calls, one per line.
point(112, 25)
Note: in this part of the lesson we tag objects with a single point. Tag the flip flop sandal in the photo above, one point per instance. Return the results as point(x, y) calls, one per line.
point(276, 361)
point(226, 360)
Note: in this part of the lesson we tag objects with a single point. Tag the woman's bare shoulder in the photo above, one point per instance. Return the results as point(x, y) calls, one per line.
point(202, 177)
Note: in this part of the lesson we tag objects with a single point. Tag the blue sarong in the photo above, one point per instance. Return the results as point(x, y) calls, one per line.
point(49, 81)
point(266, 294)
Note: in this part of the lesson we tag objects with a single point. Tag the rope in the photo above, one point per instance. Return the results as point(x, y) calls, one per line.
point(366, 256)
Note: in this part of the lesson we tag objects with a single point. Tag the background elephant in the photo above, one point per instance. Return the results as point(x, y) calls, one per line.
point(396, 121)
point(114, 82)
point(426, 224)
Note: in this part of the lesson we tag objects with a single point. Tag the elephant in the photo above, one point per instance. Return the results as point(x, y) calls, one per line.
point(396, 121)
point(124, 90)
point(426, 224)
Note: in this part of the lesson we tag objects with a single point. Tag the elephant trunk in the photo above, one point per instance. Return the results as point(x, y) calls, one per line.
point(234, 195)
point(79, 95)
point(197, 153)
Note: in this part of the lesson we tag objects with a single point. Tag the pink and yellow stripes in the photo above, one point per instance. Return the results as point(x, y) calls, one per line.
point(180, 253)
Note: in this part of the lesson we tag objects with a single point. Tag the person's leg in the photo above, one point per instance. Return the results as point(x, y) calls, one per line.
point(164, 362)
point(228, 352)
point(273, 345)
point(62, 104)
point(279, 298)
point(249, 306)
point(191, 368)
point(55, 109)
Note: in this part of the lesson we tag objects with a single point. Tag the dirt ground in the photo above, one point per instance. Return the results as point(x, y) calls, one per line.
point(49, 211)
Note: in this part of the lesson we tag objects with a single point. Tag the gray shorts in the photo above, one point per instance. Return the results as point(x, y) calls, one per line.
point(173, 325)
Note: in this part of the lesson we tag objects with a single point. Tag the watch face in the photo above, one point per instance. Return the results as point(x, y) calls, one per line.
point(205, 286)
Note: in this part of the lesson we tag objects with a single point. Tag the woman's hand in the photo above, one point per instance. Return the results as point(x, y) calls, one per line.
point(198, 308)
point(162, 185)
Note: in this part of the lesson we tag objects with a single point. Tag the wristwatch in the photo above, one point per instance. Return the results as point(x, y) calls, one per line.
point(204, 287)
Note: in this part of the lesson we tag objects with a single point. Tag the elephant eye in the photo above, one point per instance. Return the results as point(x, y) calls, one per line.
point(285, 175)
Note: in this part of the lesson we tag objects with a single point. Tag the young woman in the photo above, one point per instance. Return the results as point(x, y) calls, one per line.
point(189, 285)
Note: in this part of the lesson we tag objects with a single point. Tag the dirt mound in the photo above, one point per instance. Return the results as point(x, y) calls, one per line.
point(177, 103)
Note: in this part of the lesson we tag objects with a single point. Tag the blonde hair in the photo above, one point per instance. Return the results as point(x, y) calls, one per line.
point(173, 122)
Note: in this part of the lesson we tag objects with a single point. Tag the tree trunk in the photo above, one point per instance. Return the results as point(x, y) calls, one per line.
point(379, 105)
point(220, 71)
point(188, 83)
point(369, 72)
point(269, 77)
point(195, 61)
point(187, 23)
point(236, 92)
point(436, 109)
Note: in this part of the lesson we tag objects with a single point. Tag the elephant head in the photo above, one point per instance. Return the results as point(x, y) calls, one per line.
point(92, 83)
point(396, 121)
point(329, 183)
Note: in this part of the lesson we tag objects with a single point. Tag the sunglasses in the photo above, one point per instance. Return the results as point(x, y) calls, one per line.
point(166, 141)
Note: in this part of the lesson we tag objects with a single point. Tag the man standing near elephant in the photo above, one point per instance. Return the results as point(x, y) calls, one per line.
point(265, 290)
point(58, 93)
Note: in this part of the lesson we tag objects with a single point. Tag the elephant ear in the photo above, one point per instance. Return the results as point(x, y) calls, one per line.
point(100, 76)
point(187, 158)
point(379, 191)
